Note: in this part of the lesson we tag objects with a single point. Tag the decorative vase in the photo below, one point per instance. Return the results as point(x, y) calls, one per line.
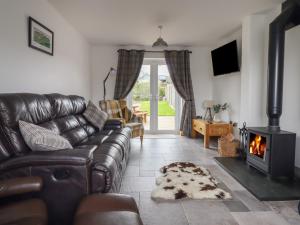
point(217, 117)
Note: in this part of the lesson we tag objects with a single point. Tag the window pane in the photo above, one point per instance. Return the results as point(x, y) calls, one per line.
point(166, 100)
point(141, 96)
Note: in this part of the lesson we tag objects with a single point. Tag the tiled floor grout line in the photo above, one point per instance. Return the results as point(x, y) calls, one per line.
point(184, 211)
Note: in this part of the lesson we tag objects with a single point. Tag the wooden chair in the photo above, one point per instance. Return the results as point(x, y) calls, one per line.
point(143, 114)
point(118, 109)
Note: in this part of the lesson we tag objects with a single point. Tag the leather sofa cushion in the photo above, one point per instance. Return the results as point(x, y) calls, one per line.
point(4, 154)
point(63, 105)
point(78, 104)
point(96, 139)
point(29, 212)
point(32, 108)
point(89, 129)
point(67, 117)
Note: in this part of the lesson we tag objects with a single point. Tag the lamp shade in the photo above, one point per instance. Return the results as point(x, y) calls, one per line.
point(208, 103)
point(160, 42)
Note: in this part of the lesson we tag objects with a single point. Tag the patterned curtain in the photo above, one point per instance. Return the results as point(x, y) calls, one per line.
point(178, 63)
point(129, 67)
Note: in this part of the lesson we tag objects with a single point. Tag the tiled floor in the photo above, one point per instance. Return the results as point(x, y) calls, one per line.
point(243, 209)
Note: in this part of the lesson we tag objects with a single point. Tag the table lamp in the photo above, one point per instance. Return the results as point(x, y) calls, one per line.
point(208, 105)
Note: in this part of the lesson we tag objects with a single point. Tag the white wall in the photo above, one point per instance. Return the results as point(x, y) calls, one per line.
point(290, 119)
point(104, 57)
point(227, 88)
point(201, 76)
point(23, 69)
point(253, 82)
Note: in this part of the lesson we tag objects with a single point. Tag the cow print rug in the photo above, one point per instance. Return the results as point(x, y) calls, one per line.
point(186, 180)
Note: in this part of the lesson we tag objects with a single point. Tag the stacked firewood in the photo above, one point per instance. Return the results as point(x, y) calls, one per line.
point(227, 146)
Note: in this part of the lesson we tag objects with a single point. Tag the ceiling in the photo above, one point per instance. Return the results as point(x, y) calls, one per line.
point(134, 22)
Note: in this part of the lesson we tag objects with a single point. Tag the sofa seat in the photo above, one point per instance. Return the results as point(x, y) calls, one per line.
point(95, 139)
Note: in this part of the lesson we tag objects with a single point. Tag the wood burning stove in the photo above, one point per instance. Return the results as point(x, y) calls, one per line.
point(271, 152)
point(270, 149)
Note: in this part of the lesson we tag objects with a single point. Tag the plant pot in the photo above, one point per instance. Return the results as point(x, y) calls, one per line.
point(217, 117)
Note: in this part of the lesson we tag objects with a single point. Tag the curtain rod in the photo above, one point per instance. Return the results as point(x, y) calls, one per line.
point(160, 51)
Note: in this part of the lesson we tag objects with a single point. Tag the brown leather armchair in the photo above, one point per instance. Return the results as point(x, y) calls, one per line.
point(97, 209)
point(108, 209)
point(26, 212)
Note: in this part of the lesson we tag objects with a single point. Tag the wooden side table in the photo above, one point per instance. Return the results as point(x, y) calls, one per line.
point(210, 129)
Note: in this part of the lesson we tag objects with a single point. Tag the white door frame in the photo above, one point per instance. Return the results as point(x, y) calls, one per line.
point(154, 62)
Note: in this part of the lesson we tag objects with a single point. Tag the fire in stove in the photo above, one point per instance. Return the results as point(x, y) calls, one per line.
point(258, 145)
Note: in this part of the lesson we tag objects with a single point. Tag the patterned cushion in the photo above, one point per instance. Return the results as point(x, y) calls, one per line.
point(42, 139)
point(112, 108)
point(95, 116)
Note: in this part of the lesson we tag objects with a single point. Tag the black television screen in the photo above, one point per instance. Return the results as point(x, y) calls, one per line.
point(225, 59)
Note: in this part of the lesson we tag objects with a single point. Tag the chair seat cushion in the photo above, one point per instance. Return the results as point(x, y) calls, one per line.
point(107, 202)
point(30, 212)
point(135, 126)
point(109, 218)
point(108, 209)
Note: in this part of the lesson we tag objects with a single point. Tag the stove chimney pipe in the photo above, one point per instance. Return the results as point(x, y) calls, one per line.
point(286, 20)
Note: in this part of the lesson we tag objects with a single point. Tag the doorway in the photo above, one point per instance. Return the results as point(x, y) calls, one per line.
point(154, 98)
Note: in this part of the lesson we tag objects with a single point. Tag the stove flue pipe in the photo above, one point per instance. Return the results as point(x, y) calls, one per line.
point(276, 62)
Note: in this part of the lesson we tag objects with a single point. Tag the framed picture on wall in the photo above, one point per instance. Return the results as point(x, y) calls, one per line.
point(40, 37)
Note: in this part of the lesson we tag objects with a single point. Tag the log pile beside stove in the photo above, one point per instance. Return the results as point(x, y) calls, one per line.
point(270, 149)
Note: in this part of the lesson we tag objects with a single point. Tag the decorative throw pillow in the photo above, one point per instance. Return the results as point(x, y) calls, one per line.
point(41, 139)
point(95, 116)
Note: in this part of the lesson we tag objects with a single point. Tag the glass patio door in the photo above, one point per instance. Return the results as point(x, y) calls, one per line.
point(155, 99)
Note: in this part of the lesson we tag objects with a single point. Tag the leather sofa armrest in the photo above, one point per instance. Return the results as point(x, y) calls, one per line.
point(113, 124)
point(21, 185)
point(73, 157)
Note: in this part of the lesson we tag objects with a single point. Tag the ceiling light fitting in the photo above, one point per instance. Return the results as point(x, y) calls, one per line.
point(160, 42)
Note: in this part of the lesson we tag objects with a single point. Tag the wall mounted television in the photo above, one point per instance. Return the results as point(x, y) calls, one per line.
point(225, 59)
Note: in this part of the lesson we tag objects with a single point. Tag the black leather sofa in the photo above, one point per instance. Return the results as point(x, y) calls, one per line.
point(95, 165)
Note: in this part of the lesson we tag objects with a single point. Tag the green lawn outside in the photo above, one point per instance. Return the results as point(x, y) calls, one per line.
point(164, 109)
